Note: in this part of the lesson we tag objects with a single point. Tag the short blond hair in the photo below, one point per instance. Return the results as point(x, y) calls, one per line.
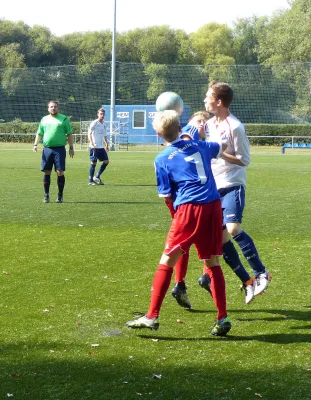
point(166, 123)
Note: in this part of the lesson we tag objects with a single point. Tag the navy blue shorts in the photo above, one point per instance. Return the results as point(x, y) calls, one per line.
point(98, 154)
point(53, 156)
point(232, 203)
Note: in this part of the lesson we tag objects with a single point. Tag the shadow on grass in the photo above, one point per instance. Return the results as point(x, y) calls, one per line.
point(282, 338)
point(31, 371)
point(112, 202)
point(283, 315)
point(301, 327)
point(130, 184)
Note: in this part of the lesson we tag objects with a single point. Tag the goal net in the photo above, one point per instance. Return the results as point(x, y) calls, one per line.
point(262, 94)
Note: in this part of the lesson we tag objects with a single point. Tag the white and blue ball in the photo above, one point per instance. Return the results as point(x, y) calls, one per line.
point(170, 101)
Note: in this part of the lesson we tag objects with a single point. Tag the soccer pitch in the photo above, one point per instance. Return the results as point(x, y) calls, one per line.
point(72, 274)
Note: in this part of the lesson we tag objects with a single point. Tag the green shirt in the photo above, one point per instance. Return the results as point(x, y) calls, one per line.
point(54, 130)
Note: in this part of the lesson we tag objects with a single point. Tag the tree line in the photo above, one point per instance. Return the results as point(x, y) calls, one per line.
point(282, 38)
point(265, 60)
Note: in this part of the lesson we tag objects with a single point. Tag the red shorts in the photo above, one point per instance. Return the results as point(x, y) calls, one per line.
point(198, 224)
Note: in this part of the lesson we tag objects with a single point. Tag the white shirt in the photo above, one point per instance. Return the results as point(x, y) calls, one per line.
point(232, 131)
point(98, 132)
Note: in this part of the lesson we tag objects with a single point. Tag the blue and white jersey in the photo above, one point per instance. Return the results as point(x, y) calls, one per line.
point(183, 171)
point(190, 131)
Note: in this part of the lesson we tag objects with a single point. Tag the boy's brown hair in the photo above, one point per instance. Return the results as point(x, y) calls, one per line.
point(222, 91)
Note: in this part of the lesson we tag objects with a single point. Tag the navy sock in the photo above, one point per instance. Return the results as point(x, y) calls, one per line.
point(46, 183)
point(92, 171)
point(101, 170)
point(231, 256)
point(249, 251)
point(61, 184)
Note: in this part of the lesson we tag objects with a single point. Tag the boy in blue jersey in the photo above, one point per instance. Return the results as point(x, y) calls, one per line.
point(183, 172)
point(179, 292)
point(194, 130)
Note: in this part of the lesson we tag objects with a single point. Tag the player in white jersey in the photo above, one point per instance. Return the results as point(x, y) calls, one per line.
point(230, 175)
point(99, 147)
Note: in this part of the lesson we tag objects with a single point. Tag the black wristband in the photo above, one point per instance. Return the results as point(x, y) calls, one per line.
point(71, 147)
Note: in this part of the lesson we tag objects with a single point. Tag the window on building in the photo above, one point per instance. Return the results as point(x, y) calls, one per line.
point(139, 119)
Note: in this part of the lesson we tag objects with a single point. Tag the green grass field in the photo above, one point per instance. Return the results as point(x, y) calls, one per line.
point(72, 274)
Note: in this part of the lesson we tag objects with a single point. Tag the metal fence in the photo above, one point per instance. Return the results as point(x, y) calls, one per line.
point(123, 142)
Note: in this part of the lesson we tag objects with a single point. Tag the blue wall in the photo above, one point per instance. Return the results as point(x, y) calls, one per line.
point(144, 132)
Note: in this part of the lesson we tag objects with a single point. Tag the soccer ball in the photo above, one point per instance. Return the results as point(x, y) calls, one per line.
point(170, 101)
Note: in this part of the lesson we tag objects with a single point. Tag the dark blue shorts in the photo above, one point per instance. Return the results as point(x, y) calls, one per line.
point(98, 154)
point(232, 203)
point(53, 156)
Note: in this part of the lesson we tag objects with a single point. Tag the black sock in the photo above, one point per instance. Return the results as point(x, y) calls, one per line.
point(46, 183)
point(61, 184)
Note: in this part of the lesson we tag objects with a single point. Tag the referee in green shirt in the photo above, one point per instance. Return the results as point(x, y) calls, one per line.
point(56, 130)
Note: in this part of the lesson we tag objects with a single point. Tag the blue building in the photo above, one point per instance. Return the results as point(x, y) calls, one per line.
point(136, 122)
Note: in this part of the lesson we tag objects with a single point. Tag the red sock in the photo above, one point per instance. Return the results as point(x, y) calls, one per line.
point(181, 267)
point(161, 282)
point(218, 288)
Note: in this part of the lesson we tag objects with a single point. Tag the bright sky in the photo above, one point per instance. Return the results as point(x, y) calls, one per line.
point(93, 15)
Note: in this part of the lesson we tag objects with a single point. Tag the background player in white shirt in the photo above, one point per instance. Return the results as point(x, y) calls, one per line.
point(97, 135)
point(230, 175)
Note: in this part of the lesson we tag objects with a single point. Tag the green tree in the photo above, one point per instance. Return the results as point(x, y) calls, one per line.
point(245, 39)
point(158, 45)
point(40, 51)
point(14, 32)
point(185, 52)
point(210, 41)
point(10, 56)
point(287, 35)
point(157, 76)
point(68, 47)
point(128, 46)
point(95, 47)
point(285, 46)
point(35, 45)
